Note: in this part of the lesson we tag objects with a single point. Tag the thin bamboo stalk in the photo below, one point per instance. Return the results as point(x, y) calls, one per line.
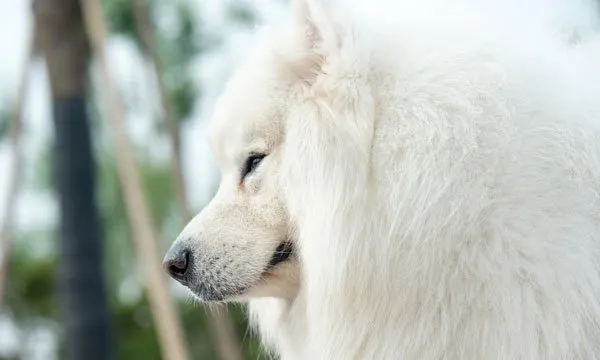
point(225, 338)
point(145, 240)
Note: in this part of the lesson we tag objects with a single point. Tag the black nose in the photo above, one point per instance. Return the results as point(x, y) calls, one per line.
point(177, 262)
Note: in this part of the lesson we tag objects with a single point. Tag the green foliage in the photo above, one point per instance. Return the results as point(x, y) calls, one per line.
point(33, 297)
point(4, 124)
point(158, 190)
point(134, 325)
point(176, 51)
point(114, 221)
point(250, 344)
point(30, 291)
point(119, 15)
point(183, 95)
point(242, 14)
point(197, 331)
point(186, 38)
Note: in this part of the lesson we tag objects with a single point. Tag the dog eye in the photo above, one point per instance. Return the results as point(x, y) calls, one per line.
point(251, 164)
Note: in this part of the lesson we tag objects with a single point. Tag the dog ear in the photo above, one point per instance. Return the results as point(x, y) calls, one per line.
point(316, 24)
point(319, 35)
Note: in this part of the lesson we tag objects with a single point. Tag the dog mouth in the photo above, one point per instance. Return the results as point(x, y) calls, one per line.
point(213, 293)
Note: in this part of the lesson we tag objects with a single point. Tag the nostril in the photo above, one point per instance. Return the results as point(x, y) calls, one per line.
point(177, 265)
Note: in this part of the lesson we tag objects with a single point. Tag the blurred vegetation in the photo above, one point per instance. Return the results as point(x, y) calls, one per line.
point(31, 290)
point(5, 120)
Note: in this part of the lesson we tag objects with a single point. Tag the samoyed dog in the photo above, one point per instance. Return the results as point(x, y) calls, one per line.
point(410, 180)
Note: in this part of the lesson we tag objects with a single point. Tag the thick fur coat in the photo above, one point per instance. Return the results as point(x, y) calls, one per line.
point(436, 167)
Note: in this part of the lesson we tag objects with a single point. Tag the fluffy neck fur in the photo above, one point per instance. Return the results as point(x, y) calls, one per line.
point(459, 214)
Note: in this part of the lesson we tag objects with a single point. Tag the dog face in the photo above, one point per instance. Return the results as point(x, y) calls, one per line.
point(242, 244)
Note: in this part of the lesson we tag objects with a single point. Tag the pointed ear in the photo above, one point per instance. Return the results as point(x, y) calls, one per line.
point(314, 20)
point(320, 35)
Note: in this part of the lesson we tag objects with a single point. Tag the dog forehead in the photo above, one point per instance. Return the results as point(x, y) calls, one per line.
point(248, 113)
point(240, 129)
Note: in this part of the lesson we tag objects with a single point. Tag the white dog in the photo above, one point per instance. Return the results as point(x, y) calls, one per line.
point(419, 183)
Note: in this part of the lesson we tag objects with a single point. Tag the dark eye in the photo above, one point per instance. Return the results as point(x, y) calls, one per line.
point(251, 164)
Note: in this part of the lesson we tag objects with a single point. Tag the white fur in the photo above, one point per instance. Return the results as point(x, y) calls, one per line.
point(438, 170)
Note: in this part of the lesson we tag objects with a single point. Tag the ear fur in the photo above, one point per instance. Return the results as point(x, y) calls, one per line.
point(319, 34)
point(314, 20)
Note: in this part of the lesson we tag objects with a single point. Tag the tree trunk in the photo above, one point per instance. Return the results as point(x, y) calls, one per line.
point(81, 281)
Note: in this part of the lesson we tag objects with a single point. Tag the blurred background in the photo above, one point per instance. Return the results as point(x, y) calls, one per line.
point(103, 159)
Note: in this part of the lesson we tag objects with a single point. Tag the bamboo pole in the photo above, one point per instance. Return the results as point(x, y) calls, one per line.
point(225, 338)
point(145, 240)
point(145, 30)
point(14, 182)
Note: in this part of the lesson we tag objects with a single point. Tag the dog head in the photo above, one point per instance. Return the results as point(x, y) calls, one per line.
point(242, 244)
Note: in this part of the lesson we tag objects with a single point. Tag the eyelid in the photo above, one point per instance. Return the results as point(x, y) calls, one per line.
point(245, 168)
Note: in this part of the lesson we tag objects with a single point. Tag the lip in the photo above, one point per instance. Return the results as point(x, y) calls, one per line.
point(207, 293)
point(282, 253)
